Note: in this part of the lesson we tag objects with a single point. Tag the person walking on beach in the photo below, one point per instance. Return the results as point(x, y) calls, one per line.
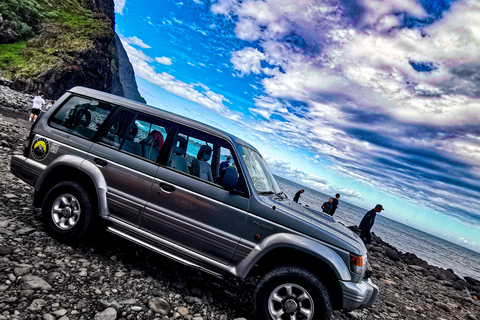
point(367, 223)
point(335, 204)
point(37, 106)
point(327, 206)
point(297, 195)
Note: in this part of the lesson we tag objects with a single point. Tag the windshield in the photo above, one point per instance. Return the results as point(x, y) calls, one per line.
point(261, 176)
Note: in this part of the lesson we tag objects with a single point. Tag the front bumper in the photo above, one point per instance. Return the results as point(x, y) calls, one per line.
point(358, 295)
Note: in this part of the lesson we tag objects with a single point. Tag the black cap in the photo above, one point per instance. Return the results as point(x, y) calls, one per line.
point(228, 158)
point(379, 206)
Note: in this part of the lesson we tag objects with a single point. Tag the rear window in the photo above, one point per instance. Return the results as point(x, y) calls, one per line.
point(81, 117)
point(136, 133)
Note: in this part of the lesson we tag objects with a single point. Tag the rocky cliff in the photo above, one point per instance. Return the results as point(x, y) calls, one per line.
point(54, 45)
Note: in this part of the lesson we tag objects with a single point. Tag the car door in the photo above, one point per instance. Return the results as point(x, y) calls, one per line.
point(126, 155)
point(190, 208)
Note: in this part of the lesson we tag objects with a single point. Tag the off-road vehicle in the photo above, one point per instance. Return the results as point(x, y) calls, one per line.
point(156, 178)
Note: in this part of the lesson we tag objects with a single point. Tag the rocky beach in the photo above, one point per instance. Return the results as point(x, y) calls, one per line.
point(109, 278)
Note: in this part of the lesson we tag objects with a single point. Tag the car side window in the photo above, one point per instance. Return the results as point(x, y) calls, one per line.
point(137, 133)
point(203, 156)
point(81, 117)
point(192, 153)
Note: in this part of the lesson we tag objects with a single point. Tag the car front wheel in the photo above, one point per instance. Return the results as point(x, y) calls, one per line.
point(291, 292)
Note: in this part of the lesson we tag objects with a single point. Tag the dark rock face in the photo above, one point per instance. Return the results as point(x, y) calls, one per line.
point(128, 85)
point(102, 6)
point(104, 66)
point(7, 32)
point(90, 68)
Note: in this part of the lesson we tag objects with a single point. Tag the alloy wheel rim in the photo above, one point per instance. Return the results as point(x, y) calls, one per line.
point(66, 211)
point(290, 301)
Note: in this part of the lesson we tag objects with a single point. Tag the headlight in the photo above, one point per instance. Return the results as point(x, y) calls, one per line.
point(357, 263)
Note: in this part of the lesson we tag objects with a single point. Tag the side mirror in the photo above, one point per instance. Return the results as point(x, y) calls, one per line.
point(230, 178)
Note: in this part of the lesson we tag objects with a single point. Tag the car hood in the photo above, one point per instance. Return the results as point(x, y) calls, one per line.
point(316, 224)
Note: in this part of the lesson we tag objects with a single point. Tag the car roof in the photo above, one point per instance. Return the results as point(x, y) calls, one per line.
point(108, 97)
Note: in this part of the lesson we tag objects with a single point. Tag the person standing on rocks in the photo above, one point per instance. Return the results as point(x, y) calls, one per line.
point(367, 223)
point(297, 195)
point(37, 106)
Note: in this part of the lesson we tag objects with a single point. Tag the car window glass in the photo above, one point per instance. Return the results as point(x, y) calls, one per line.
point(224, 154)
point(203, 156)
point(81, 117)
point(261, 176)
point(137, 133)
point(192, 153)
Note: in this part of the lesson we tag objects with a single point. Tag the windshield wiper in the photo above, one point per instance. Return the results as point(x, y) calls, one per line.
point(266, 192)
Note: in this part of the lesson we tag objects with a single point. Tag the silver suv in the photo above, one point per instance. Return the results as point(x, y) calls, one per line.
point(196, 194)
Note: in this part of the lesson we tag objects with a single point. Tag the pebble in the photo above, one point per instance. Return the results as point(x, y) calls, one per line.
point(34, 282)
point(183, 311)
point(107, 314)
point(48, 316)
point(159, 305)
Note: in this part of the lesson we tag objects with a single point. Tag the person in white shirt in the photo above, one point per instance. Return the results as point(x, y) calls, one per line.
point(37, 105)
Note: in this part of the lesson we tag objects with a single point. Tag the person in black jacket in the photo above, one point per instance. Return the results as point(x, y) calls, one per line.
point(327, 206)
point(297, 195)
point(367, 223)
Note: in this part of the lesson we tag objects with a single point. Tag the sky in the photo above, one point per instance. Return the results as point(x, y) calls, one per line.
point(378, 100)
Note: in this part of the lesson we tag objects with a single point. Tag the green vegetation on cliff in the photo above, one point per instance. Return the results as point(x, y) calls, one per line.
point(49, 34)
point(10, 56)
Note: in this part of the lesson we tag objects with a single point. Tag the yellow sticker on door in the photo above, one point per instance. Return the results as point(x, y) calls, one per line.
point(40, 149)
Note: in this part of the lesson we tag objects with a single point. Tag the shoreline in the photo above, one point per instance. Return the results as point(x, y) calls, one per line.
point(429, 247)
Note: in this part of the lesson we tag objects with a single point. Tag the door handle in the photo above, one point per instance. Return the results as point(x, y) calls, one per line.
point(100, 162)
point(167, 187)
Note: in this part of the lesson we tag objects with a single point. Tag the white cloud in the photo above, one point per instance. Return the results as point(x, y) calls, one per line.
point(247, 30)
point(206, 98)
point(247, 60)
point(224, 6)
point(371, 68)
point(381, 14)
point(383, 64)
point(349, 193)
point(164, 60)
point(118, 6)
point(137, 42)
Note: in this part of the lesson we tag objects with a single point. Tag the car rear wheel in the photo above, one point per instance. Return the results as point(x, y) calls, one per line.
point(68, 213)
point(291, 292)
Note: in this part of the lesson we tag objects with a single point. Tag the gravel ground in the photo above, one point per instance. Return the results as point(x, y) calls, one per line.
point(110, 278)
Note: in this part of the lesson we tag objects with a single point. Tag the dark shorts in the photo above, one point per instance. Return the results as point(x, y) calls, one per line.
point(36, 111)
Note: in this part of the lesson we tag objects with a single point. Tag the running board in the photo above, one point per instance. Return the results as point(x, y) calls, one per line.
point(167, 254)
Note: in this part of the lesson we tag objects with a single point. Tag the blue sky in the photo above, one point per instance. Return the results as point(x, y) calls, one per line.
point(376, 100)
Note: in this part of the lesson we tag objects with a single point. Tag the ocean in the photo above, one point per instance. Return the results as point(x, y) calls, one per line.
point(436, 251)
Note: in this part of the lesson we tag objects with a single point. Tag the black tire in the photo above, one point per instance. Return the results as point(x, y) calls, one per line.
point(289, 290)
point(68, 211)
